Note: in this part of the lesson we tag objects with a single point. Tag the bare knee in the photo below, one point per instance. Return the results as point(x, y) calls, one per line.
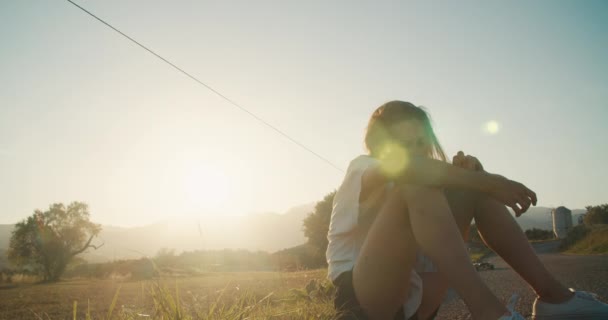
point(424, 200)
point(382, 270)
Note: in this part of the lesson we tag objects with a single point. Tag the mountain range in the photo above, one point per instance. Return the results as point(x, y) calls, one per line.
point(255, 232)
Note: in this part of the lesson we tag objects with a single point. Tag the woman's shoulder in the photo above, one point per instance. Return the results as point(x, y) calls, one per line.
point(362, 162)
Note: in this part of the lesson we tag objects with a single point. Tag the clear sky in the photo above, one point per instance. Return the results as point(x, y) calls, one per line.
point(86, 115)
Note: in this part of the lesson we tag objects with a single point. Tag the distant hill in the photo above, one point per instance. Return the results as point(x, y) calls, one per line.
point(540, 218)
point(261, 231)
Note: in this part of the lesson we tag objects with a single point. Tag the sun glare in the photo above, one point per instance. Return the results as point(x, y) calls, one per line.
point(394, 159)
point(491, 127)
point(207, 190)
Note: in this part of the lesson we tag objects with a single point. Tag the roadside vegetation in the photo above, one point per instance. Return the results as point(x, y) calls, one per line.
point(535, 234)
point(591, 237)
point(218, 295)
point(587, 240)
point(221, 284)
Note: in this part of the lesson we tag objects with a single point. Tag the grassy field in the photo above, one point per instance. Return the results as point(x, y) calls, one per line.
point(213, 295)
point(243, 295)
point(594, 242)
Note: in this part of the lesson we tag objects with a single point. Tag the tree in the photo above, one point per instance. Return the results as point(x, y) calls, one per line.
point(165, 257)
point(47, 241)
point(539, 234)
point(316, 226)
point(596, 215)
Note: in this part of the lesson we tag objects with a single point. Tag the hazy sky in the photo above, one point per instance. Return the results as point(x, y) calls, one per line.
point(86, 115)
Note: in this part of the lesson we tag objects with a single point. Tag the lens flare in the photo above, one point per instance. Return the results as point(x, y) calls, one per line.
point(394, 159)
point(206, 188)
point(491, 127)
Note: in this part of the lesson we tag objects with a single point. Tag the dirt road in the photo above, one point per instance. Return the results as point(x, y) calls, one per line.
point(589, 273)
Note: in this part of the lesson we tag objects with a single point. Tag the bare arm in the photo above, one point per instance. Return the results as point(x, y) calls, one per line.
point(435, 173)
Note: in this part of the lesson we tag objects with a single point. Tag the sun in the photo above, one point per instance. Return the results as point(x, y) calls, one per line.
point(206, 189)
point(492, 127)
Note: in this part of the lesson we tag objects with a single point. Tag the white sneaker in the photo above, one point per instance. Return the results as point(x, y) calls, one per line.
point(514, 316)
point(583, 305)
point(511, 307)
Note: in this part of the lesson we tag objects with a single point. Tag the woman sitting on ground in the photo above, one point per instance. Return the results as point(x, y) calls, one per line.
point(402, 206)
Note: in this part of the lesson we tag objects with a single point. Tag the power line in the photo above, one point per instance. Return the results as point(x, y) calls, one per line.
point(264, 122)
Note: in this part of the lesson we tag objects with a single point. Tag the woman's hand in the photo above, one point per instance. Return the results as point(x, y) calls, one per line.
point(467, 162)
point(512, 193)
point(429, 172)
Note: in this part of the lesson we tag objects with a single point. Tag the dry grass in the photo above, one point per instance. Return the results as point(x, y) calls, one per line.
point(480, 254)
point(18, 278)
point(594, 242)
point(243, 295)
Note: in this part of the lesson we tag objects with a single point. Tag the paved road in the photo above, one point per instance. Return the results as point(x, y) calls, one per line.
point(589, 273)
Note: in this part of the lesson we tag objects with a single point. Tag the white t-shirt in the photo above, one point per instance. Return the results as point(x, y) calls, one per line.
point(346, 235)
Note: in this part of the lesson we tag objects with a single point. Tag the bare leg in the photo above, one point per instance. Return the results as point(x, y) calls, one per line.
point(381, 275)
point(382, 272)
point(502, 234)
point(463, 204)
point(434, 287)
point(437, 235)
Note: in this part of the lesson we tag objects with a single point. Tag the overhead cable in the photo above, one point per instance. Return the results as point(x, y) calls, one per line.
point(232, 102)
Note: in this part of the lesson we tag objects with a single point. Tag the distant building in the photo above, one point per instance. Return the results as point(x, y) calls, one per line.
point(581, 219)
point(562, 221)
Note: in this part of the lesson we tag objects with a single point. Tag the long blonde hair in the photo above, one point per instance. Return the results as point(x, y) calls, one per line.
point(393, 112)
